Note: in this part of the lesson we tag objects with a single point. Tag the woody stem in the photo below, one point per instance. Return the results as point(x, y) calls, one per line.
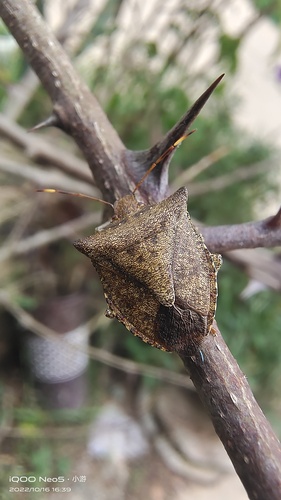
point(238, 420)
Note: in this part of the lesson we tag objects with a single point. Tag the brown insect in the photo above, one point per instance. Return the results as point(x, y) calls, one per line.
point(158, 276)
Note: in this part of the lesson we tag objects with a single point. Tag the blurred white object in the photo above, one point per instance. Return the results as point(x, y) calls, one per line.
point(54, 361)
point(252, 288)
point(117, 436)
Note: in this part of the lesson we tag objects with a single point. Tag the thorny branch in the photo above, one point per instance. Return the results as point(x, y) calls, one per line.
point(241, 425)
point(264, 233)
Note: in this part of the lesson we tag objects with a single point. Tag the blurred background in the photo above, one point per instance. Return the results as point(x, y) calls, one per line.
point(81, 398)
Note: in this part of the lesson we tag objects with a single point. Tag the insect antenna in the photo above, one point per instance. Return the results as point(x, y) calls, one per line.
point(71, 193)
point(162, 157)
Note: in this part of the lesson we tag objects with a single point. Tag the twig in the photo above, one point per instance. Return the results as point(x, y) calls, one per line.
point(76, 109)
point(40, 150)
point(46, 178)
point(11, 211)
point(223, 181)
point(247, 235)
point(207, 161)
point(19, 95)
point(261, 265)
point(47, 236)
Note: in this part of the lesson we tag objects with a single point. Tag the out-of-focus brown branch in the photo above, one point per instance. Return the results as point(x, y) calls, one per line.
point(260, 265)
point(47, 236)
point(222, 181)
point(45, 177)
point(77, 111)
point(40, 150)
point(204, 163)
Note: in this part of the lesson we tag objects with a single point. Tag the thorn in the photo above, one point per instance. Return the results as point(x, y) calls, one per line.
point(51, 121)
point(162, 157)
point(180, 130)
point(200, 102)
point(275, 221)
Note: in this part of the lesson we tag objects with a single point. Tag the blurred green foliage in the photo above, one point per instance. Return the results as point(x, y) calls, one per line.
point(270, 8)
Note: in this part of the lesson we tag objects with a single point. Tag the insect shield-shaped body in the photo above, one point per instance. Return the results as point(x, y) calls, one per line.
point(159, 278)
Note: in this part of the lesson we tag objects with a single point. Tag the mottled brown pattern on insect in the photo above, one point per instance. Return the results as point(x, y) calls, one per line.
point(159, 278)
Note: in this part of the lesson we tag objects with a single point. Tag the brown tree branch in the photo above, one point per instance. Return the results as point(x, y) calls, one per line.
point(77, 111)
point(40, 150)
point(264, 233)
point(242, 427)
point(238, 420)
point(47, 236)
point(115, 169)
